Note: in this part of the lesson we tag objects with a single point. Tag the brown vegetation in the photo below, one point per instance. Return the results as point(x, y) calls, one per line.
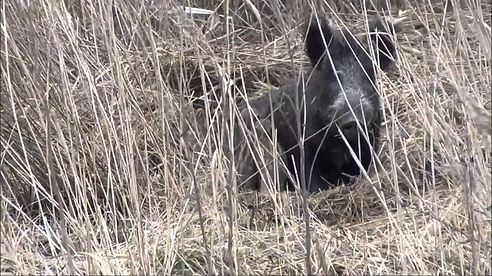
point(112, 129)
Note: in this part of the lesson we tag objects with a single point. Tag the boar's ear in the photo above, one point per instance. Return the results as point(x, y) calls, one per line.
point(316, 35)
point(381, 38)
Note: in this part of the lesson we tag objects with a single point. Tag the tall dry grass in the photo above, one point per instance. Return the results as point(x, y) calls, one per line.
point(114, 121)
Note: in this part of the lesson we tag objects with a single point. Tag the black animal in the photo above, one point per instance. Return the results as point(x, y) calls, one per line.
point(338, 112)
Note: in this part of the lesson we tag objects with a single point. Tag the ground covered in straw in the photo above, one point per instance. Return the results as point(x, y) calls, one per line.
point(112, 130)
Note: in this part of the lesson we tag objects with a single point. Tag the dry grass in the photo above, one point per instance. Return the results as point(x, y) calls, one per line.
point(109, 166)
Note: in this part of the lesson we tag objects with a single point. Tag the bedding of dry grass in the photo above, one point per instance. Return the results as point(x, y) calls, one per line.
point(112, 126)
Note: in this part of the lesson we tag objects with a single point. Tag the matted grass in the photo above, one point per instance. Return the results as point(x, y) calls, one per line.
point(112, 134)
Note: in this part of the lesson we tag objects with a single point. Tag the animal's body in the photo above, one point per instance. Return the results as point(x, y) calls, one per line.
point(336, 105)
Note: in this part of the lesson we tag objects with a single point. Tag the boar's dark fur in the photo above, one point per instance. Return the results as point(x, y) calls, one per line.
point(338, 109)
